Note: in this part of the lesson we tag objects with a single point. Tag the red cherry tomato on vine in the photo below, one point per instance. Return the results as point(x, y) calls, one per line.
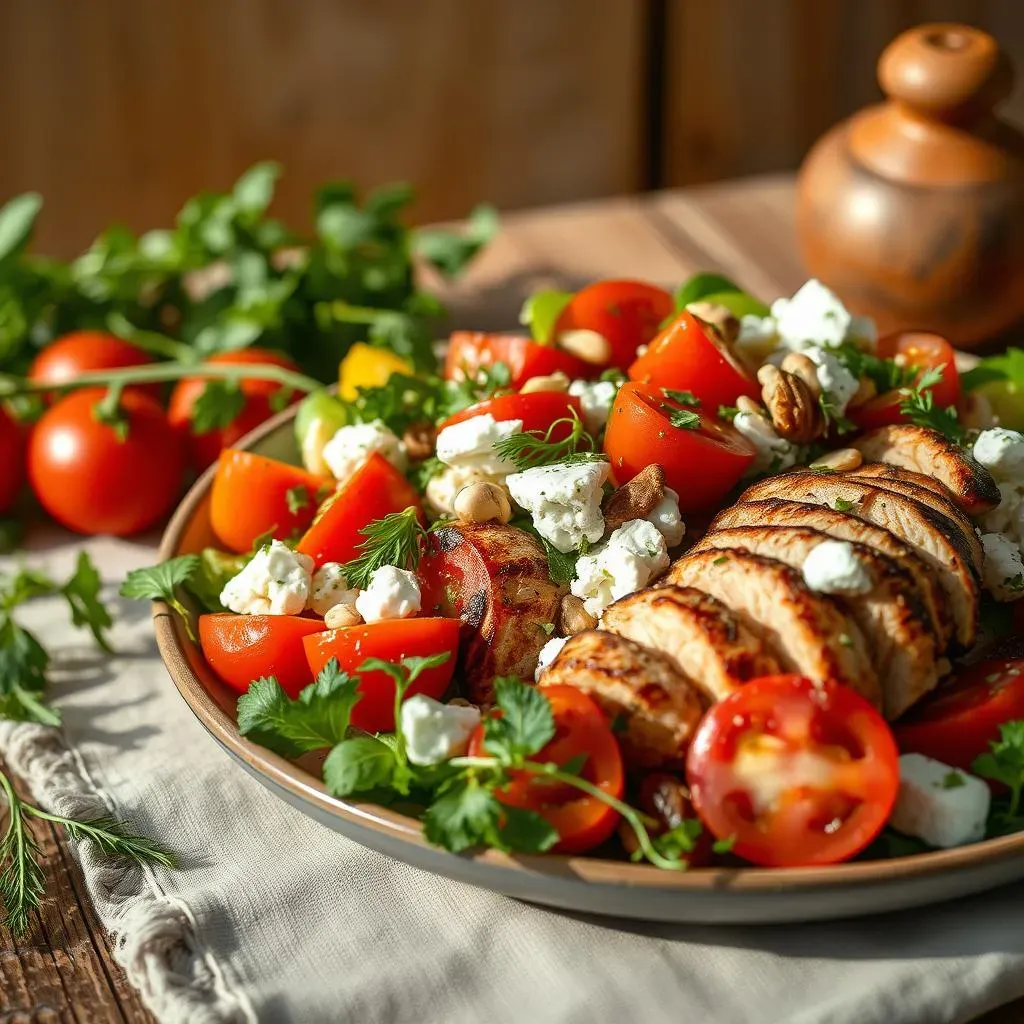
point(12, 459)
point(91, 480)
point(926, 352)
point(702, 462)
point(259, 405)
point(795, 772)
point(68, 357)
point(627, 314)
point(582, 821)
point(470, 351)
point(538, 410)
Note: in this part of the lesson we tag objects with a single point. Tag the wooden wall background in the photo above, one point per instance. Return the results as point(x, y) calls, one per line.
point(119, 109)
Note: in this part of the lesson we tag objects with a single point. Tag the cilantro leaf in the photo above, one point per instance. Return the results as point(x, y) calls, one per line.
point(159, 583)
point(525, 725)
point(684, 419)
point(318, 718)
point(23, 665)
point(208, 579)
point(1005, 763)
point(682, 397)
point(466, 814)
point(218, 405)
point(450, 252)
point(82, 594)
point(525, 831)
point(357, 765)
point(917, 404)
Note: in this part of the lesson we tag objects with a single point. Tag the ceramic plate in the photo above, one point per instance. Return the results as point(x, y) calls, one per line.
point(592, 885)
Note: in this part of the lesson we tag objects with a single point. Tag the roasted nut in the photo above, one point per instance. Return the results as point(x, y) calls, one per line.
point(573, 618)
point(482, 503)
point(635, 499)
point(420, 439)
point(664, 798)
point(342, 615)
point(866, 390)
point(803, 367)
point(720, 317)
point(794, 411)
point(842, 460)
point(746, 404)
point(556, 381)
point(589, 346)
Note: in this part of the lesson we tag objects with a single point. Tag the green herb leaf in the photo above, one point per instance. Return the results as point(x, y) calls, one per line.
point(1007, 367)
point(723, 845)
point(684, 419)
point(217, 406)
point(525, 724)
point(918, 405)
point(357, 765)
point(531, 448)
point(843, 505)
point(255, 188)
point(297, 498)
point(397, 540)
point(681, 397)
point(206, 582)
point(160, 582)
point(1005, 763)
point(467, 814)
point(525, 831)
point(700, 286)
point(541, 311)
point(82, 592)
point(450, 252)
point(953, 780)
point(728, 413)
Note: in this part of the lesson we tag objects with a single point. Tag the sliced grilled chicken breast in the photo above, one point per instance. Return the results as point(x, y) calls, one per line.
point(843, 526)
point(890, 615)
point(926, 451)
point(657, 706)
point(936, 538)
point(808, 632)
point(697, 633)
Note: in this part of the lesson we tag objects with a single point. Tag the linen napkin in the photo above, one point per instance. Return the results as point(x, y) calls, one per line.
point(272, 917)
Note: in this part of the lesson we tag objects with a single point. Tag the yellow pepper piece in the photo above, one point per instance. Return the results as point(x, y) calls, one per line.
point(366, 366)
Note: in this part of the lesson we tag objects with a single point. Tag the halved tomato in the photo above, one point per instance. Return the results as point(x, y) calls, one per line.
point(375, 490)
point(703, 461)
point(627, 314)
point(582, 821)
point(795, 772)
point(241, 648)
point(253, 495)
point(688, 356)
point(911, 349)
point(391, 640)
point(538, 410)
point(469, 351)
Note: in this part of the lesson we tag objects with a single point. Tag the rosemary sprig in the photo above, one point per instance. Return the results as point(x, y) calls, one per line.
point(397, 540)
point(531, 448)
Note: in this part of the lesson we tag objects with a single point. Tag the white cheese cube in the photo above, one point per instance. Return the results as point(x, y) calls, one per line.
point(393, 593)
point(330, 588)
point(1003, 570)
point(1001, 451)
point(832, 567)
point(596, 400)
point(665, 516)
point(773, 452)
point(944, 806)
point(816, 316)
point(276, 581)
point(436, 732)
point(471, 443)
point(351, 446)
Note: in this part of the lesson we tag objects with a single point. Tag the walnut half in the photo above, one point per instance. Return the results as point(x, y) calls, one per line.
point(794, 410)
point(635, 499)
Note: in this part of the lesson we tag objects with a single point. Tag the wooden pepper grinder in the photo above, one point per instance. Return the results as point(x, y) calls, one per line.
point(913, 210)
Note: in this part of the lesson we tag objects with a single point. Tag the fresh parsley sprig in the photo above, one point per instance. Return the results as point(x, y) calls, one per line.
point(397, 540)
point(1004, 763)
point(531, 448)
point(161, 582)
point(917, 403)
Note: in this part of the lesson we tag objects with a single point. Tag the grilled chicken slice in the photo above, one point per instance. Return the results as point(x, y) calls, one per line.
point(808, 632)
point(844, 526)
point(890, 615)
point(928, 452)
point(698, 634)
point(657, 706)
point(936, 538)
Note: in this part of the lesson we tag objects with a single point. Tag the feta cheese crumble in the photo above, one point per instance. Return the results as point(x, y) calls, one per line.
point(815, 316)
point(596, 400)
point(470, 444)
point(1001, 452)
point(834, 568)
point(1003, 570)
point(665, 516)
point(564, 501)
point(548, 653)
point(631, 557)
point(392, 594)
point(835, 379)
point(436, 732)
point(944, 806)
point(330, 588)
point(351, 446)
point(773, 452)
point(276, 581)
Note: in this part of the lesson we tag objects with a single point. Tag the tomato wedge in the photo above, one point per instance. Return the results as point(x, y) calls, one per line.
point(582, 821)
point(538, 410)
point(253, 495)
point(798, 773)
point(241, 648)
point(956, 723)
point(627, 314)
point(375, 490)
point(469, 351)
point(391, 640)
point(702, 464)
point(911, 348)
point(688, 356)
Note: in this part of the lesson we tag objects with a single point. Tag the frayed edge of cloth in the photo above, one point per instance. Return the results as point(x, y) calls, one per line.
point(156, 940)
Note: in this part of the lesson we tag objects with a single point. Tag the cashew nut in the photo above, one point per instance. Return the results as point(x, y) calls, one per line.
point(556, 381)
point(589, 346)
point(342, 616)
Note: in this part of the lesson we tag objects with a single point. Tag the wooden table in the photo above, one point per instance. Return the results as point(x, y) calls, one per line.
point(63, 970)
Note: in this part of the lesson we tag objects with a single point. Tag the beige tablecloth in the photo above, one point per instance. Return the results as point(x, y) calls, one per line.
point(274, 918)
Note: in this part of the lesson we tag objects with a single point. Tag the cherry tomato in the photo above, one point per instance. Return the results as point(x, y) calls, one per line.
point(241, 648)
point(12, 459)
point(253, 495)
point(687, 356)
point(391, 640)
point(797, 773)
point(582, 821)
point(956, 722)
point(538, 410)
point(71, 355)
point(469, 351)
point(926, 351)
point(259, 396)
point(702, 464)
point(92, 481)
point(375, 490)
point(627, 313)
